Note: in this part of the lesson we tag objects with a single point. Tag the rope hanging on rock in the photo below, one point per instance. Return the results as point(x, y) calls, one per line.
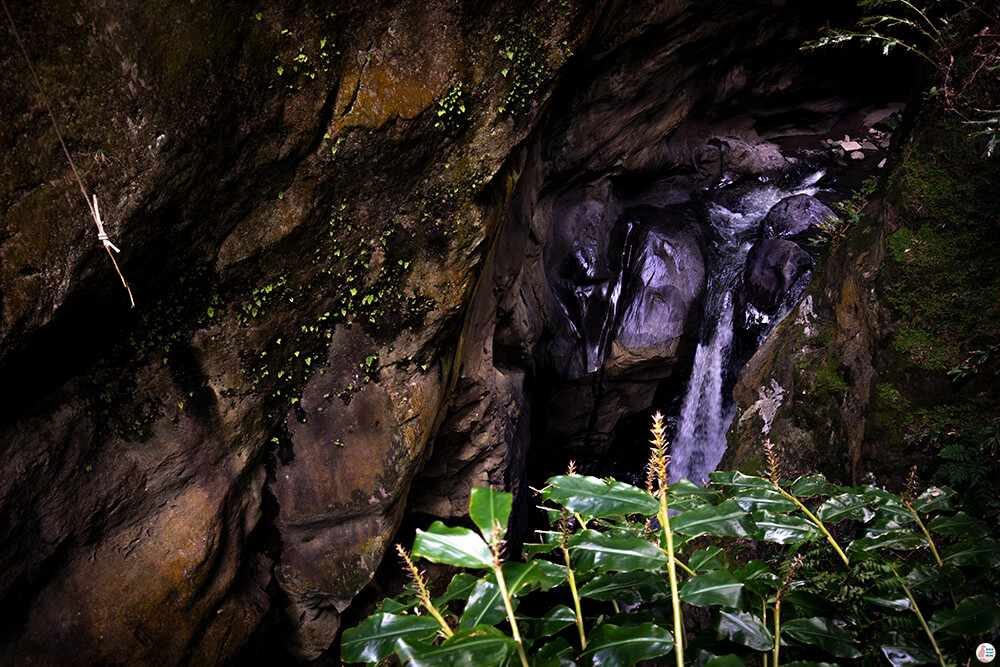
point(94, 211)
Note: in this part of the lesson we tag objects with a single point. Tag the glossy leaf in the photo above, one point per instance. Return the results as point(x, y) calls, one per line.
point(705, 559)
point(626, 587)
point(822, 632)
point(718, 587)
point(768, 499)
point(806, 603)
point(490, 510)
point(736, 479)
point(376, 638)
point(924, 578)
point(616, 646)
point(782, 528)
point(481, 645)
point(902, 650)
point(685, 495)
point(984, 553)
point(757, 577)
point(808, 486)
point(593, 497)
point(895, 603)
point(485, 606)
point(973, 616)
point(725, 520)
point(555, 619)
point(845, 506)
point(556, 653)
point(594, 551)
point(452, 546)
point(935, 498)
point(730, 660)
point(460, 588)
point(901, 540)
point(744, 628)
point(959, 523)
point(538, 574)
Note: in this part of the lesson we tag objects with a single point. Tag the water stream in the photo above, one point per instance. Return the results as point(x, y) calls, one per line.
point(707, 409)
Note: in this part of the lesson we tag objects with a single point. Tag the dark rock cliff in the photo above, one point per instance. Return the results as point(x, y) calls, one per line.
point(335, 220)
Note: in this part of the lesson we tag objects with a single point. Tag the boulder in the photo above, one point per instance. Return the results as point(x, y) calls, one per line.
point(664, 282)
point(773, 266)
point(793, 215)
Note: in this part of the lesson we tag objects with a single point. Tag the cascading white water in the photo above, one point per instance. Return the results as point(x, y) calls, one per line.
point(700, 440)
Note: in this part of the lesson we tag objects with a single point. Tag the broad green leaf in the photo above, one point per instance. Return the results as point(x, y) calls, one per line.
point(808, 486)
point(782, 528)
point(717, 587)
point(738, 480)
point(984, 553)
point(958, 524)
point(375, 639)
point(730, 660)
point(616, 646)
point(744, 628)
point(901, 540)
point(805, 603)
point(705, 559)
point(555, 619)
point(594, 551)
point(539, 575)
point(758, 577)
point(935, 498)
point(924, 578)
point(890, 512)
point(593, 497)
point(452, 546)
point(557, 653)
point(481, 645)
point(726, 519)
point(549, 540)
point(626, 587)
point(973, 616)
point(485, 606)
point(896, 603)
point(845, 506)
point(490, 510)
point(809, 663)
point(754, 499)
point(459, 588)
point(685, 495)
point(822, 632)
point(902, 650)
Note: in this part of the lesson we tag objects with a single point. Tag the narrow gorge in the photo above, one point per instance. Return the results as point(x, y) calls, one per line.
point(383, 254)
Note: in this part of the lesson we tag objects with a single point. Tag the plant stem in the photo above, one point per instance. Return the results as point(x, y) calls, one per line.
point(777, 629)
point(576, 600)
point(432, 610)
point(510, 612)
point(664, 517)
point(916, 610)
point(818, 523)
point(926, 534)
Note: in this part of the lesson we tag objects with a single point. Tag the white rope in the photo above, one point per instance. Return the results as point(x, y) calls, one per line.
point(102, 236)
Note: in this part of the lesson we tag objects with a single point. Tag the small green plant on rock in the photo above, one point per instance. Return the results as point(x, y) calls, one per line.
point(627, 558)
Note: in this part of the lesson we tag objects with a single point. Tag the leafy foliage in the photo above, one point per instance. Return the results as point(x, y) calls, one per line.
point(803, 567)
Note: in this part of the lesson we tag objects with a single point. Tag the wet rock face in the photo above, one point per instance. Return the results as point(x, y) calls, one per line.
point(583, 265)
point(773, 266)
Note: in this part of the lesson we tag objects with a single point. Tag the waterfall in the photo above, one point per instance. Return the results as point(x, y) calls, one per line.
point(701, 434)
point(700, 439)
